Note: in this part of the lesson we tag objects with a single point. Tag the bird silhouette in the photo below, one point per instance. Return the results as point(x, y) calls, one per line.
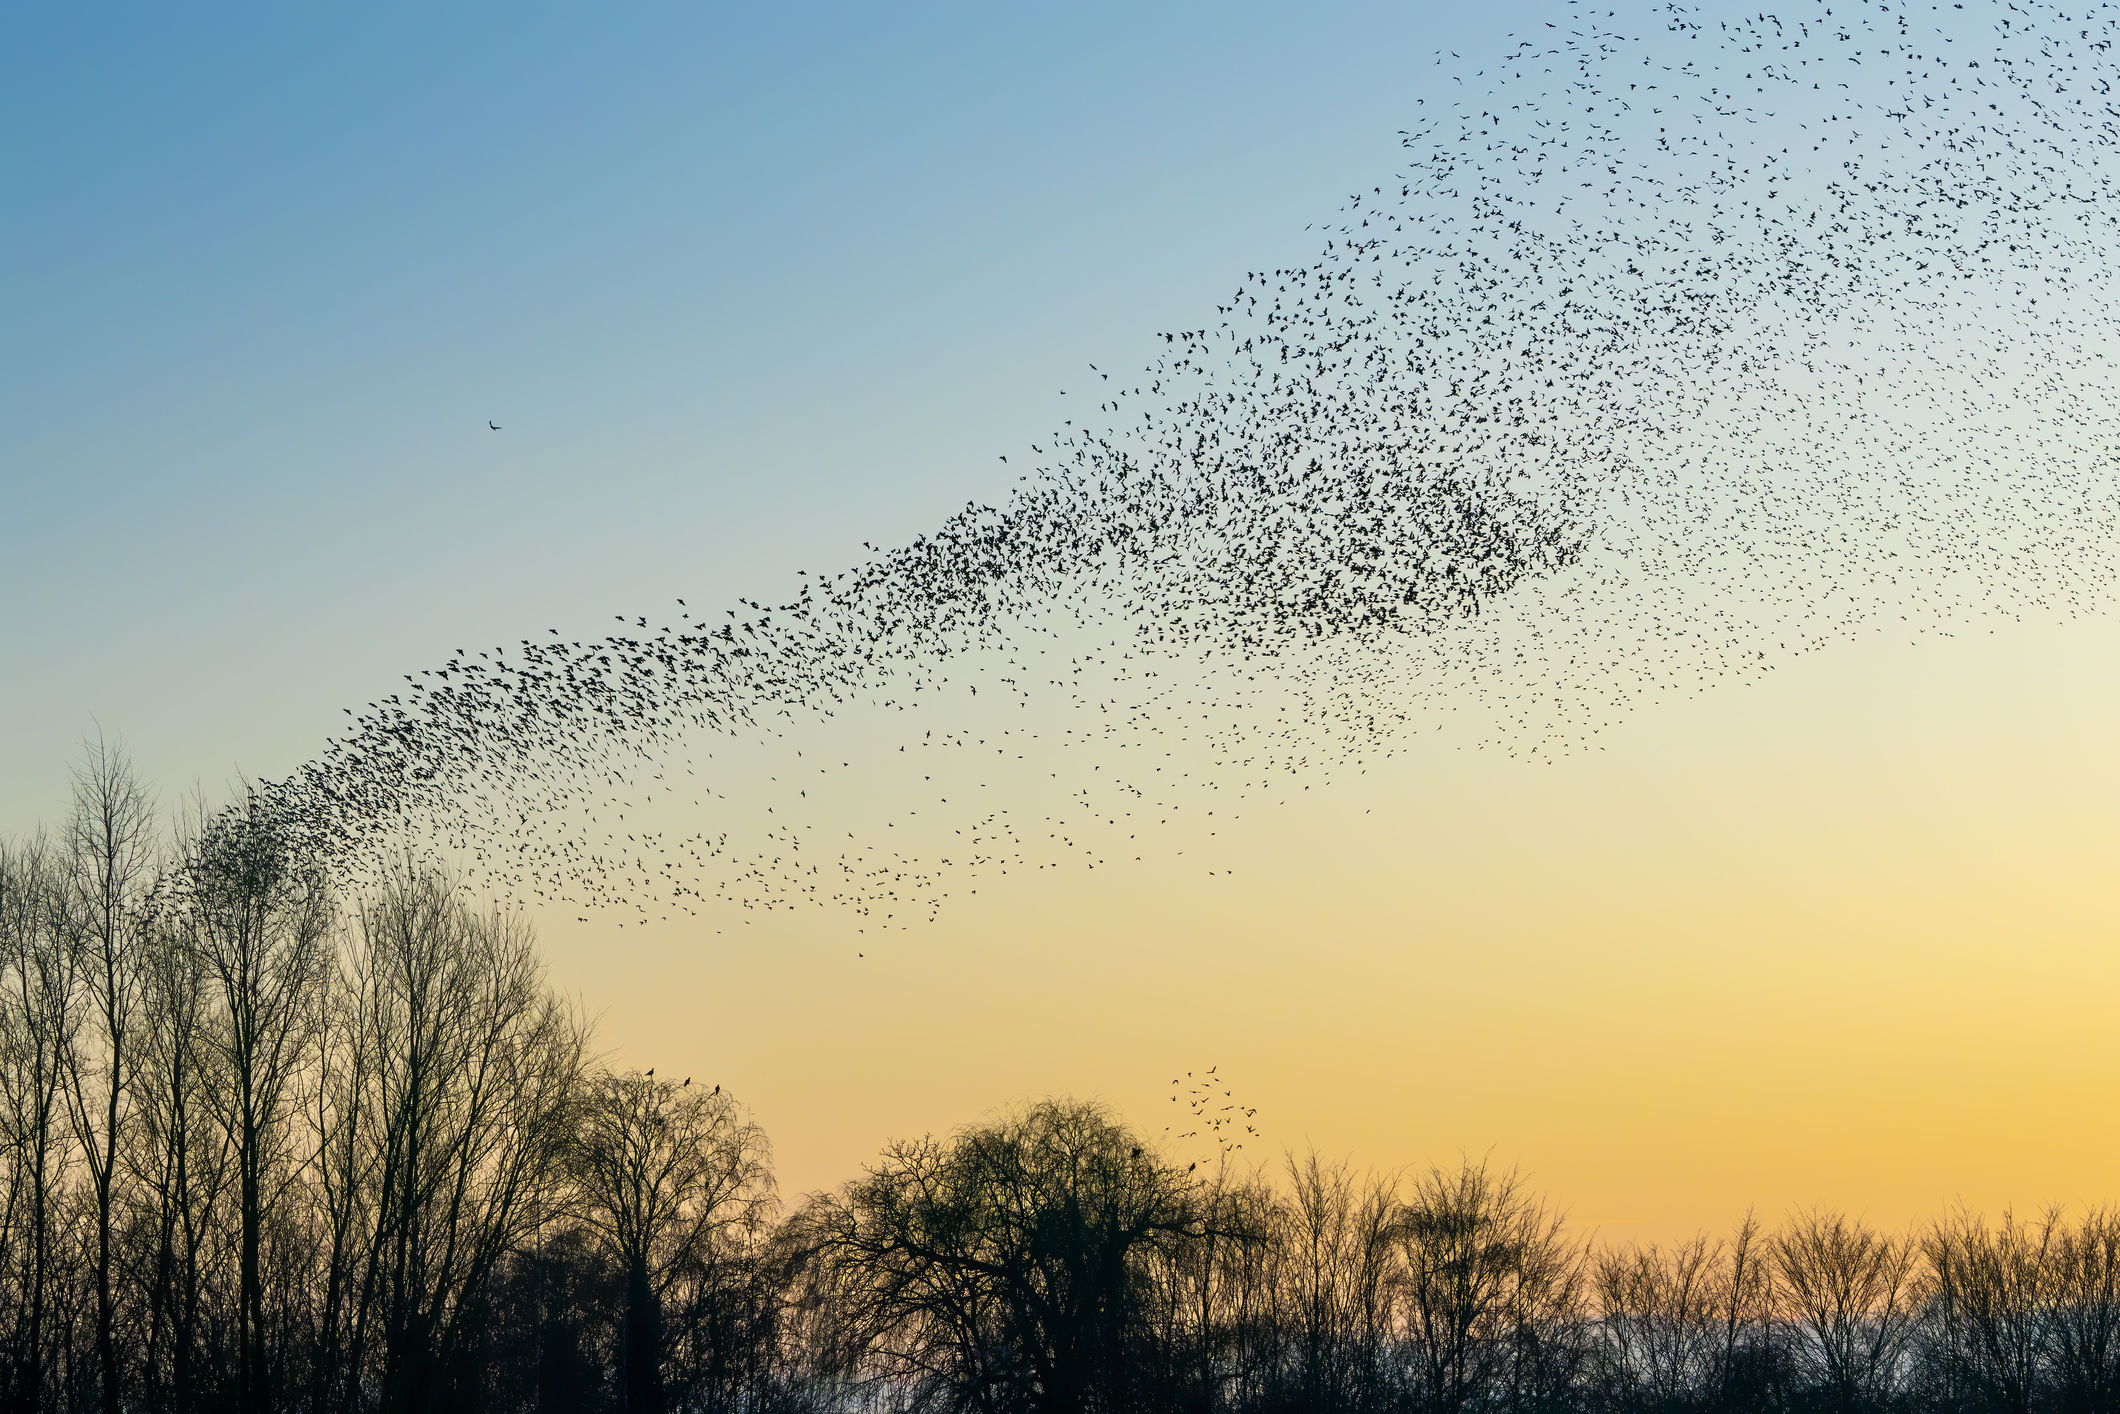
point(1678, 344)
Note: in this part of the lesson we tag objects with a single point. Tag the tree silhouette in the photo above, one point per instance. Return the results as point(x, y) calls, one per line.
point(664, 1169)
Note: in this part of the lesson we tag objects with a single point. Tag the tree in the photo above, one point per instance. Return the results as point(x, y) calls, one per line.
point(2084, 1316)
point(1689, 1327)
point(257, 914)
point(39, 1018)
point(1336, 1238)
point(663, 1170)
point(1850, 1294)
point(180, 1159)
point(1489, 1285)
point(1213, 1332)
point(1004, 1269)
point(1990, 1292)
point(111, 847)
point(1750, 1356)
point(1659, 1325)
point(466, 1073)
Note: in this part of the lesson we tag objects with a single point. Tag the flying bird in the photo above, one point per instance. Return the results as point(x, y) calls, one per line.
point(1636, 379)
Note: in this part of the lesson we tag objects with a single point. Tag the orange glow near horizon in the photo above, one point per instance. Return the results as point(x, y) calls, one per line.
point(1842, 937)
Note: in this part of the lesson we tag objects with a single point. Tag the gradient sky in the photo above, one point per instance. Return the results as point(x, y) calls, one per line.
point(747, 286)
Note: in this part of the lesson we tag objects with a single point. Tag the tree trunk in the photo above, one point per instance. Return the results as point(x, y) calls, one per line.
point(106, 1313)
point(644, 1389)
point(253, 1394)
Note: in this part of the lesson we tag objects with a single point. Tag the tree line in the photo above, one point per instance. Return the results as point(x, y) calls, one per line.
point(272, 1142)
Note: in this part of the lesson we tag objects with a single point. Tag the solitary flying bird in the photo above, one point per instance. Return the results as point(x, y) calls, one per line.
point(494, 425)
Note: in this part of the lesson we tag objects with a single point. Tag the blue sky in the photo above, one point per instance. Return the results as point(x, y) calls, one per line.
point(744, 286)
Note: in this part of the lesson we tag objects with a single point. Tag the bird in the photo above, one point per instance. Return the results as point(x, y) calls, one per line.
point(1588, 405)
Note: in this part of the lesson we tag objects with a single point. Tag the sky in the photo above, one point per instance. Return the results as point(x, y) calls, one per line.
point(745, 287)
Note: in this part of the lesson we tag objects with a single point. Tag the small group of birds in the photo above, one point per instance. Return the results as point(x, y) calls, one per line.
point(1680, 344)
point(1217, 1122)
point(649, 1074)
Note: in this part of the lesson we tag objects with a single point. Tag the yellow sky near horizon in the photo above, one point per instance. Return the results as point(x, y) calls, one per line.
point(1842, 936)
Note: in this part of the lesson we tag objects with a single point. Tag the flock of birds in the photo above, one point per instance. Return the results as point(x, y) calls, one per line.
point(1215, 1112)
point(1683, 342)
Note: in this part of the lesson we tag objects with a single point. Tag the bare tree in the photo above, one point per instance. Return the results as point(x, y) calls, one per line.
point(111, 847)
point(663, 1170)
point(257, 914)
point(1749, 1355)
point(2084, 1314)
point(1990, 1294)
point(1212, 1294)
point(1661, 1324)
point(473, 1069)
point(1336, 1237)
point(344, 1165)
point(1488, 1282)
point(1683, 1328)
point(39, 1018)
point(1851, 1295)
point(180, 1159)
